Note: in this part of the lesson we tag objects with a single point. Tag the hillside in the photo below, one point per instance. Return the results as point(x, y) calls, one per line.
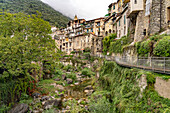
point(31, 6)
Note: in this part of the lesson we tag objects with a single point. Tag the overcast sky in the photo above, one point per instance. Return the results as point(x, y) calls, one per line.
point(87, 9)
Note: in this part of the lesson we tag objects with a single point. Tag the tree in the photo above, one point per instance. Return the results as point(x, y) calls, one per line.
point(25, 44)
point(107, 41)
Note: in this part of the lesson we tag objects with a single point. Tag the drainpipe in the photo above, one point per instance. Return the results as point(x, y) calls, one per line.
point(160, 14)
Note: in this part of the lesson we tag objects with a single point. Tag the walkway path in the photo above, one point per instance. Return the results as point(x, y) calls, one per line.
point(155, 64)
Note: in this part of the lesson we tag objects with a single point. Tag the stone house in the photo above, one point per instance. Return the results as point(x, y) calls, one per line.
point(147, 17)
point(122, 23)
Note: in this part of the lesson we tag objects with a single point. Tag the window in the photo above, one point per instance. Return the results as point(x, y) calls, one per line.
point(168, 12)
point(135, 1)
point(144, 32)
point(147, 10)
point(114, 7)
point(124, 19)
point(119, 22)
point(91, 29)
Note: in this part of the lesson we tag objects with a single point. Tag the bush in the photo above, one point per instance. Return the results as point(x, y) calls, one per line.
point(72, 76)
point(102, 105)
point(162, 47)
point(143, 48)
point(117, 46)
point(68, 67)
point(87, 72)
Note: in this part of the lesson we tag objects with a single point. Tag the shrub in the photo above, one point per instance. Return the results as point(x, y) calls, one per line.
point(117, 46)
point(87, 72)
point(101, 106)
point(68, 67)
point(162, 47)
point(72, 76)
point(143, 48)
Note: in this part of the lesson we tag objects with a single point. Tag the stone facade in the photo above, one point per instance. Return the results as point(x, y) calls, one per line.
point(159, 16)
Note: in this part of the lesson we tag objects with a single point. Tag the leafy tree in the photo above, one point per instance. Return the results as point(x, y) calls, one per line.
point(25, 45)
point(107, 41)
point(163, 47)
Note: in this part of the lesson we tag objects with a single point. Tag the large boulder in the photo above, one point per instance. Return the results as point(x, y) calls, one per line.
point(20, 108)
point(69, 81)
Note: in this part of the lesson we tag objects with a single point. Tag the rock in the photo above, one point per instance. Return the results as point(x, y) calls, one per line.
point(79, 101)
point(43, 103)
point(76, 83)
point(57, 79)
point(56, 92)
point(60, 87)
point(68, 108)
point(36, 111)
point(64, 100)
point(69, 81)
point(88, 92)
point(43, 98)
point(20, 108)
point(61, 95)
point(52, 103)
point(36, 94)
point(64, 77)
point(88, 87)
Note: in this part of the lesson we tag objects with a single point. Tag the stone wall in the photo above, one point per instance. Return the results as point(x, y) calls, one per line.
point(155, 16)
point(163, 87)
point(142, 23)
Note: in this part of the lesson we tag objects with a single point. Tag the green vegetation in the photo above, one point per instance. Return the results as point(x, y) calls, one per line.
point(115, 46)
point(26, 47)
point(120, 92)
point(118, 45)
point(87, 72)
point(157, 45)
point(31, 7)
point(162, 47)
point(107, 41)
point(143, 48)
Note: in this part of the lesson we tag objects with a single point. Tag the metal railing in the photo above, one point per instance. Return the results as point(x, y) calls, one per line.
point(155, 64)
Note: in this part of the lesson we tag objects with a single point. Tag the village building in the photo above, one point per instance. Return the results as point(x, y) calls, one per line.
point(122, 23)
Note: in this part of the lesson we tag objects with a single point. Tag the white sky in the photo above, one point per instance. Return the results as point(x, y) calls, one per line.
point(87, 9)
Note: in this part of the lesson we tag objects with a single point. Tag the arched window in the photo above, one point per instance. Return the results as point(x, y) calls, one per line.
point(147, 10)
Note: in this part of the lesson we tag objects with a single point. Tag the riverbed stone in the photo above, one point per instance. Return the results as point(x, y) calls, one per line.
point(36, 94)
point(60, 87)
point(64, 77)
point(88, 87)
point(69, 81)
point(43, 98)
point(20, 108)
point(52, 103)
point(57, 79)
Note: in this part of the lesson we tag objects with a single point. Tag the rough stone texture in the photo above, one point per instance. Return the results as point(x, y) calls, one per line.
point(69, 81)
point(155, 16)
point(142, 84)
point(20, 108)
point(142, 22)
point(163, 87)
